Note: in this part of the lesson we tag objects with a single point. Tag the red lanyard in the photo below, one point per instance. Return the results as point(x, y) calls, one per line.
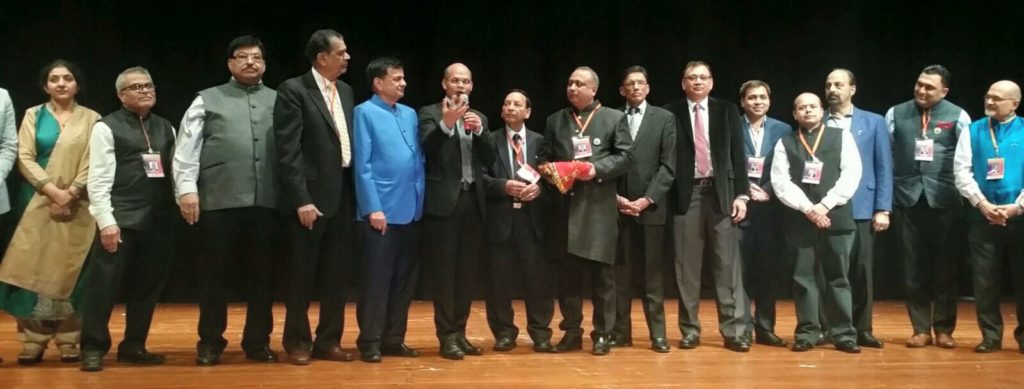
point(583, 126)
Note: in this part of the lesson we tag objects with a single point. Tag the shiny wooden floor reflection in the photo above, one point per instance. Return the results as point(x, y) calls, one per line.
point(708, 366)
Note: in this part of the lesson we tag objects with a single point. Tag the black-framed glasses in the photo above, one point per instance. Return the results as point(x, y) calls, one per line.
point(140, 87)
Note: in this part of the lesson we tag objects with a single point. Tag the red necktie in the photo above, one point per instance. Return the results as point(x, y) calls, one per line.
point(700, 143)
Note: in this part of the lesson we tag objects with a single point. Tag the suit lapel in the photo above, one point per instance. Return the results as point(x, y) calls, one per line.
point(503, 151)
point(321, 105)
point(748, 141)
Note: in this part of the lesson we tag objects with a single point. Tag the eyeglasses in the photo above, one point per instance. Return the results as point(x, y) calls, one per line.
point(245, 57)
point(634, 83)
point(694, 77)
point(996, 99)
point(140, 87)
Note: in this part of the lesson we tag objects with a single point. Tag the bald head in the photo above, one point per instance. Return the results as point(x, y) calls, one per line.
point(458, 80)
point(807, 110)
point(1002, 100)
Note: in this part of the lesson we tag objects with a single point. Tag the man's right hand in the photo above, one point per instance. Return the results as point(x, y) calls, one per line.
point(992, 213)
point(308, 214)
point(514, 187)
point(379, 222)
point(189, 205)
point(757, 194)
point(110, 237)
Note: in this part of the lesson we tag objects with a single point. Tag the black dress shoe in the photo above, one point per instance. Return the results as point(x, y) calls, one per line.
point(739, 344)
point(689, 342)
point(542, 346)
point(822, 340)
point(264, 354)
point(569, 343)
point(848, 346)
point(370, 356)
point(468, 348)
point(802, 345)
point(660, 345)
point(505, 343)
point(140, 357)
point(451, 350)
point(91, 363)
point(399, 350)
point(207, 357)
point(335, 354)
point(866, 339)
point(620, 341)
point(988, 346)
point(770, 339)
point(601, 346)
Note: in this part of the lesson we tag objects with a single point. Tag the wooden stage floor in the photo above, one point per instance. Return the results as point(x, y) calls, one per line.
point(710, 365)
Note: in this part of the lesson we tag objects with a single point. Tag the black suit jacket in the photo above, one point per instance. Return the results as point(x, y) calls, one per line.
point(444, 162)
point(499, 204)
point(308, 148)
point(654, 163)
point(725, 134)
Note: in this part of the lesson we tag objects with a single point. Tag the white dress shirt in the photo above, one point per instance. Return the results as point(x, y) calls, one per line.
point(329, 95)
point(849, 177)
point(756, 135)
point(635, 119)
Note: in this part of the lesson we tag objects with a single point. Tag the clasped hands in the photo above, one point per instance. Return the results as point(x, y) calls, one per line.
point(632, 208)
point(818, 215)
point(521, 191)
point(63, 203)
point(997, 215)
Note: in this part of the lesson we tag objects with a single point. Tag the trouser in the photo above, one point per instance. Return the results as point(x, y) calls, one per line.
point(929, 265)
point(812, 248)
point(765, 269)
point(388, 281)
point(641, 252)
point(521, 258)
point(991, 247)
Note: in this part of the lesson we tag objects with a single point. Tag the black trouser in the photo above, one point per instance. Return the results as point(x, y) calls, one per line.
point(765, 268)
point(929, 255)
point(862, 285)
point(821, 253)
point(326, 253)
point(455, 261)
point(991, 247)
point(239, 239)
point(641, 252)
point(521, 258)
point(388, 281)
point(140, 265)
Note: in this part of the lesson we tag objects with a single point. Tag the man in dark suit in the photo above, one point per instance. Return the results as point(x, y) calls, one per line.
point(927, 205)
point(872, 202)
point(764, 266)
point(515, 228)
point(312, 117)
point(450, 133)
point(585, 221)
point(710, 198)
point(642, 197)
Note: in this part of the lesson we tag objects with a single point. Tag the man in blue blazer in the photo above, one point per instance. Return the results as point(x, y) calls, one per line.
point(389, 183)
point(760, 236)
point(872, 202)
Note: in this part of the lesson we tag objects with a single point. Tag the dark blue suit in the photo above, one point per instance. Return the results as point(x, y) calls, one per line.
point(763, 263)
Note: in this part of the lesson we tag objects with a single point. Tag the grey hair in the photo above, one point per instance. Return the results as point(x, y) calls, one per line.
point(119, 84)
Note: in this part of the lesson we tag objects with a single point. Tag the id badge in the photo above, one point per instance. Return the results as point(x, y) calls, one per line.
point(924, 150)
point(152, 165)
point(812, 172)
point(755, 167)
point(996, 169)
point(581, 147)
point(528, 173)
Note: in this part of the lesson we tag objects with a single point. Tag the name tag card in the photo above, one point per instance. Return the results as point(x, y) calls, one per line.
point(152, 165)
point(996, 169)
point(581, 147)
point(812, 172)
point(924, 150)
point(755, 167)
point(528, 173)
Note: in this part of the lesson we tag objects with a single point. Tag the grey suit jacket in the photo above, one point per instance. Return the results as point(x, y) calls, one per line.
point(654, 163)
point(8, 147)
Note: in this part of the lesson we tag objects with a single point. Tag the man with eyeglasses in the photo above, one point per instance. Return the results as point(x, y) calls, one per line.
point(924, 134)
point(642, 198)
point(131, 197)
point(989, 170)
point(222, 172)
point(312, 128)
point(450, 133)
point(710, 199)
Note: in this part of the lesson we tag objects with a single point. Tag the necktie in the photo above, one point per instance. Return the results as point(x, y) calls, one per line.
point(517, 147)
point(334, 105)
point(700, 141)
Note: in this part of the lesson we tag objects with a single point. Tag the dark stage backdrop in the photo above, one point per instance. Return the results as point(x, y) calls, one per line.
point(529, 45)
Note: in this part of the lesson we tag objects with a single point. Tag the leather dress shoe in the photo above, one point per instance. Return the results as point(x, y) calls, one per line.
point(919, 340)
point(140, 357)
point(801, 345)
point(505, 343)
point(944, 340)
point(399, 350)
point(370, 356)
point(739, 344)
point(264, 354)
point(299, 357)
point(660, 345)
point(91, 363)
point(451, 350)
point(770, 339)
point(848, 346)
point(468, 348)
point(689, 342)
point(542, 346)
point(988, 346)
point(822, 340)
point(569, 343)
point(601, 346)
point(335, 354)
point(620, 341)
point(207, 357)
point(866, 339)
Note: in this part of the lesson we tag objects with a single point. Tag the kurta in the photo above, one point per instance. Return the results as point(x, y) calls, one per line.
point(45, 256)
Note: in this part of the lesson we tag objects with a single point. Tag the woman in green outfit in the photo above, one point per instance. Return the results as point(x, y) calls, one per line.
point(40, 269)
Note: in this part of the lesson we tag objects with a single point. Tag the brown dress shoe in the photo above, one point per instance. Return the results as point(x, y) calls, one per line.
point(300, 358)
point(944, 340)
point(333, 354)
point(919, 340)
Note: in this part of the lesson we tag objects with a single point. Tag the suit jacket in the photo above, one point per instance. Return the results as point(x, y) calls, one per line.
point(874, 193)
point(308, 147)
point(388, 161)
point(8, 147)
point(593, 209)
point(773, 131)
point(499, 204)
point(725, 133)
point(444, 162)
point(654, 163)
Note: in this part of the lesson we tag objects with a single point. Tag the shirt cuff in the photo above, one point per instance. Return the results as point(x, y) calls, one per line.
point(187, 187)
point(975, 198)
point(105, 220)
point(444, 128)
point(829, 202)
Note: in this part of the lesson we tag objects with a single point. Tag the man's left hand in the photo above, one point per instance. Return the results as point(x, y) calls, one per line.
point(880, 222)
